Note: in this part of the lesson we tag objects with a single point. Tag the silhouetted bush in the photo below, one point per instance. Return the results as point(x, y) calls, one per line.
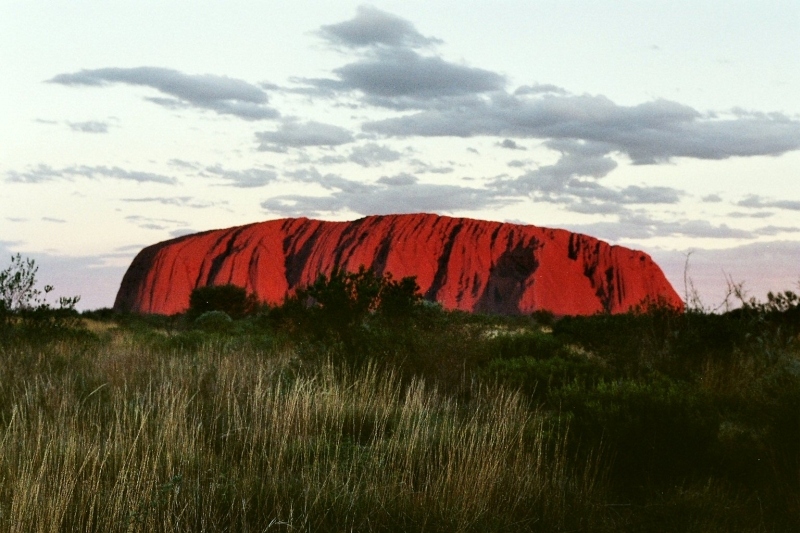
point(661, 339)
point(230, 299)
point(103, 314)
point(660, 431)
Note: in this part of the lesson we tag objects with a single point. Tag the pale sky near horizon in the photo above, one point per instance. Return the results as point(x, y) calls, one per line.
point(668, 127)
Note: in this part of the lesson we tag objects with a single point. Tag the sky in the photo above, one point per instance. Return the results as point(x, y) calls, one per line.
point(671, 127)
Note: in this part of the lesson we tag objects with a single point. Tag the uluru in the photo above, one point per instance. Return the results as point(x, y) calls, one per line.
point(465, 264)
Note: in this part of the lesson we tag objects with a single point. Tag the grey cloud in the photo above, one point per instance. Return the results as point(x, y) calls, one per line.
point(409, 74)
point(776, 230)
point(294, 134)
point(437, 170)
point(516, 163)
point(407, 199)
point(249, 178)
point(372, 27)
point(223, 95)
point(399, 179)
point(44, 173)
point(637, 225)
point(373, 155)
point(760, 214)
point(38, 174)
point(169, 103)
point(588, 130)
point(759, 202)
point(181, 232)
point(686, 228)
point(119, 173)
point(594, 208)
point(184, 164)
point(422, 167)
point(89, 127)
point(540, 89)
point(327, 159)
point(129, 248)
point(510, 145)
point(153, 223)
point(397, 194)
point(585, 148)
point(582, 161)
point(592, 198)
point(404, 79)
point(178, 201)
point(702, 228)
point(712, 198)
point(328, 181)
point(648, 133)
point(635, 194)
point(55, 220)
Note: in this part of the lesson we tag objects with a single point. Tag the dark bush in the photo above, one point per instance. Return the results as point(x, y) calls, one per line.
point(348, 298)
point(357, 315)
point(103, 314)
point(662, 339)
point(544, 317)
point(230, 299)
point(660, 431)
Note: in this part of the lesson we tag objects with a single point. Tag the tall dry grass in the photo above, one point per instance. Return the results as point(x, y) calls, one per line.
point(119, 436)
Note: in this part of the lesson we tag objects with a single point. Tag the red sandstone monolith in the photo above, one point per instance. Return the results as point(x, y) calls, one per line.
point(466, 264)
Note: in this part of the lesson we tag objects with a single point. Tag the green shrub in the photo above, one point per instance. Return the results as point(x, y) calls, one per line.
point(526, 344)
point(539, 377)
point(216, 321)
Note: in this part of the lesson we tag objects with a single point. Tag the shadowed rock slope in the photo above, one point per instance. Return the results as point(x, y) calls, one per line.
point(466, 264)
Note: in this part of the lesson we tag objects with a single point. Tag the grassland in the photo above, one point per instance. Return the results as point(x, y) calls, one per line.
point(430, 421)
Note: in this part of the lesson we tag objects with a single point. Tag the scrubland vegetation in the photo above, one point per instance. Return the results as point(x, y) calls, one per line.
point(357, 407)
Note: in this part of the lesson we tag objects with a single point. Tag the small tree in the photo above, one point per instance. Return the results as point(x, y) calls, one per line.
point(339, 306)
point(344, 299)
point(19, 295)
point(398, 299)
point(18, 285)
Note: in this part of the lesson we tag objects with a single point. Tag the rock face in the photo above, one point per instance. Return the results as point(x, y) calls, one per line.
point(465, 264)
